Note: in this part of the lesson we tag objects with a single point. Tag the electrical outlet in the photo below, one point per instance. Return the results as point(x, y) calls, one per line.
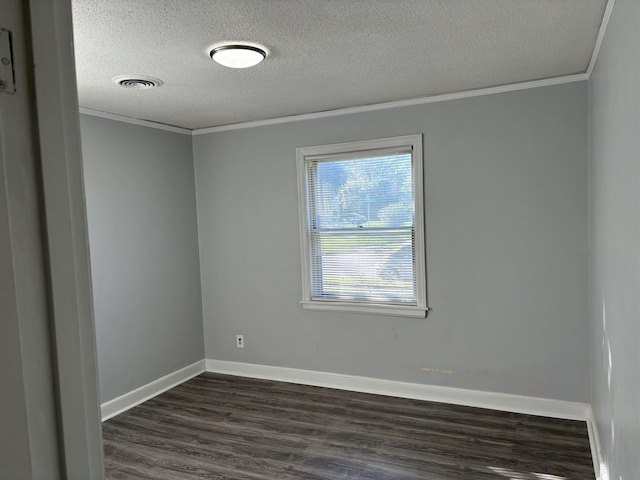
point(240, 341)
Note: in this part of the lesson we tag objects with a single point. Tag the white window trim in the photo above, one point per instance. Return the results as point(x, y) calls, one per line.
point(416, 311)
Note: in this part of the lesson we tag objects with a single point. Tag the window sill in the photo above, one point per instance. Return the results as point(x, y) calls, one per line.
point(368, 309)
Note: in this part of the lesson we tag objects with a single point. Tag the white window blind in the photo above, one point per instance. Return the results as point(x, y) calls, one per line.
point(362, 229)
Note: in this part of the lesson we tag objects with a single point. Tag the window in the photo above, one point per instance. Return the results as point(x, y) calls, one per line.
point(362, 226)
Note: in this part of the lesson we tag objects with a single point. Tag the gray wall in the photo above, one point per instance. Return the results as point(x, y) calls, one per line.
point(144, 252)
point(506, 214)
point(615, 242)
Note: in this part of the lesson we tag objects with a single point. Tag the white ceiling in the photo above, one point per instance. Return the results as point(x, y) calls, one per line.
point(322, 54)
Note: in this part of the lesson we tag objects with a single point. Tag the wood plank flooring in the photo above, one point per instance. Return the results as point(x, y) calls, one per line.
point(232, 428)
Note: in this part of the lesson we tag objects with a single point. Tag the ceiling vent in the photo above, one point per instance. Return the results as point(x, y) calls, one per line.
point(136, 81)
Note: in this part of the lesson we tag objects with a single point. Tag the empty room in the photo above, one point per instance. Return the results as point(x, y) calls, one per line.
point(320, 239)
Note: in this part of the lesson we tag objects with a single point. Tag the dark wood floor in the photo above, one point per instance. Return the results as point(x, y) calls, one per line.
point(225, 427)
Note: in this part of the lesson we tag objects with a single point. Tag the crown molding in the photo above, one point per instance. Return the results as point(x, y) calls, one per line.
point(134, 121)
point(603, 28)
point(400, 103)
point(546, 82)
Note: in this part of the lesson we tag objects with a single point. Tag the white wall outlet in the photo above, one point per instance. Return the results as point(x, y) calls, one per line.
point(240, 341)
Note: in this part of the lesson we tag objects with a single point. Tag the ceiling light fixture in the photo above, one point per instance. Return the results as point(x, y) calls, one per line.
point(238, 56)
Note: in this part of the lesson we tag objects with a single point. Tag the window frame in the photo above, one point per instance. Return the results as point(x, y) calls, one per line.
point(349, 149)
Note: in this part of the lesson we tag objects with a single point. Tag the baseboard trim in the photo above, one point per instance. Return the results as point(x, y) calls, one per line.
point(142, 394)
point(594, 442)
point(457, 396)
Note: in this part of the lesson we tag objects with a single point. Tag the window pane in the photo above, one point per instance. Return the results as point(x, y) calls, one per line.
point(373, 192)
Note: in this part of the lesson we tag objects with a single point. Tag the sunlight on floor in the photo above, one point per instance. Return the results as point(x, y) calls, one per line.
point(511, 475)
point(604, 472)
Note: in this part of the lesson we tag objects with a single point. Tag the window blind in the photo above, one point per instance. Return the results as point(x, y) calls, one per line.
point(362, 227)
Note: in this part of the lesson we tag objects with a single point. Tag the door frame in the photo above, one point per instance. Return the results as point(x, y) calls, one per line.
point(53, 411)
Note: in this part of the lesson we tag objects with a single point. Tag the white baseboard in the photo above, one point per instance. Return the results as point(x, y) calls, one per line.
point(150, 390)
point(473, 398)
point(458, 396)
point(594, 441)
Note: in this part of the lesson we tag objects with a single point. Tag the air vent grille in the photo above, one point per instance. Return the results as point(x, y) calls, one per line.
point(137, 81)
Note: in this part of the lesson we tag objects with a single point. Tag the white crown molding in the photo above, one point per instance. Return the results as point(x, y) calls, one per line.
point(142, 394)
point(457, 396)
point(547, 82)
point(400, 103)
point(603, 28)
point(135, 121)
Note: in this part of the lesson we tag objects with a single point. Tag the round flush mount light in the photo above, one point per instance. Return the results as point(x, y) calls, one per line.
point(238, 56)
point(136, 81)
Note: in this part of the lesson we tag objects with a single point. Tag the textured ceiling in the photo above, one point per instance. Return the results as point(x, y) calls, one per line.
point(322, 54)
